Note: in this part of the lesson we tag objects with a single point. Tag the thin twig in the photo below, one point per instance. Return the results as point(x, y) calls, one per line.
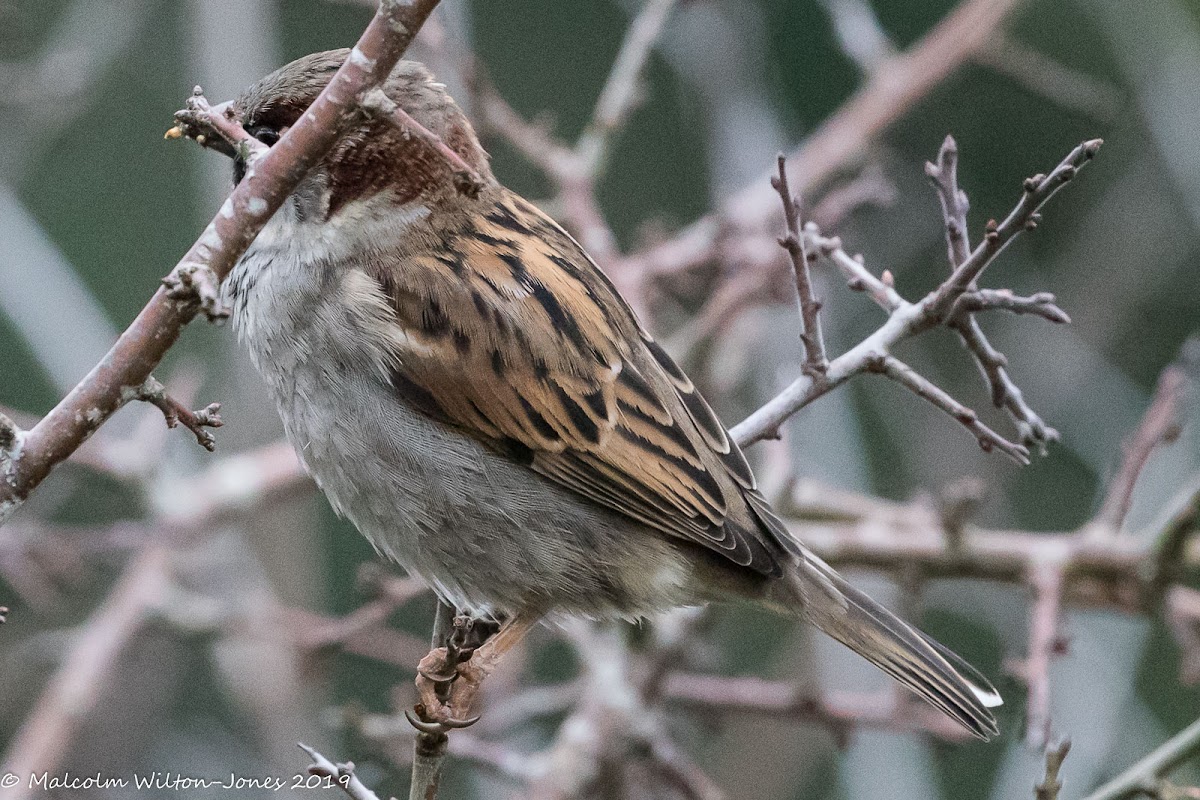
point(922, 387)
point(199, 120)
point(1144, 776)
point(992, 364)
point(1045, 643)
point(342, 775)
point(1050, 786)
point(858, 277)
point(815, 361)
point(842, 140)
point(1161, 424)
point(621, 91)
point(466, 179)
point(907, 319)
point(1038, 190)
point(176, 413)
point(1042, 304)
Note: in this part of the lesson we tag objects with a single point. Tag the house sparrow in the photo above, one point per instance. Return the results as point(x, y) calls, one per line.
point(470, 390)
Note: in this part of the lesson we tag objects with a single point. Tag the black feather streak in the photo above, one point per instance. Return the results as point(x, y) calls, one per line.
point(539, 422)
point(505, 219)
point(579, 418)
point(563, 322)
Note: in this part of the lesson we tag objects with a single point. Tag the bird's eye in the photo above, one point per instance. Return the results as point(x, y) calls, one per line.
point(264, 134)
point(267, 136)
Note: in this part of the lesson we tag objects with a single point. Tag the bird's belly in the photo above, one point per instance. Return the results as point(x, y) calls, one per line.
point(489, 534)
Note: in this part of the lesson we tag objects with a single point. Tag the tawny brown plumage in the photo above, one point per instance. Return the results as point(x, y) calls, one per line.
point(472, 392)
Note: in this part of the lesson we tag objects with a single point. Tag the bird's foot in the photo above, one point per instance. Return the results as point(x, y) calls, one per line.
point(446, 682)
point(449, 677)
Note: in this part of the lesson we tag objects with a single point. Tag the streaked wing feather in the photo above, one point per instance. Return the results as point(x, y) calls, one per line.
point(512, 335)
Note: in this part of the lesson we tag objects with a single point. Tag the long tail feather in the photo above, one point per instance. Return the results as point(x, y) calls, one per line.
point(923, 665)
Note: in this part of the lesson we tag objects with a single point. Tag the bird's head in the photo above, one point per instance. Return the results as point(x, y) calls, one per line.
point(373, 158)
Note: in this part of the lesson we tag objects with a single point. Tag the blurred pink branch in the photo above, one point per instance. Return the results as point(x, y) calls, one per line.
point(77, 686)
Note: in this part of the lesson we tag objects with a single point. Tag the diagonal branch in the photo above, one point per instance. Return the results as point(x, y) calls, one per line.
point(466, 179)
point(193, 284)
point(342, 775)
point(906, 376)
point(895, 86)
point(1038, 189)
point(1160, 425)
point(1144, 776)
point(176, 413)
point(992, 364)
point(621, 91)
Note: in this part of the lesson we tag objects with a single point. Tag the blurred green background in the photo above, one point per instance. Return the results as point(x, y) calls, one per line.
point(90, 189)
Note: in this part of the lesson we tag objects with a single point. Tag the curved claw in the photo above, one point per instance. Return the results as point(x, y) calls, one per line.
point(459, 724)
point(437, 678)
point(421, 725)
point(439, 727)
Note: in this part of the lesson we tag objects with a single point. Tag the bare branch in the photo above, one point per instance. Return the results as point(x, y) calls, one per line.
point(342, 775)
point(175, 412)
point(620, 94)
point(192, 284)
point(992, 363)
point(1161, 424)
point(1050, 786)
point(840, 712)
point(679, 766)
point(908, 319)
point(815, 361)
point(74, 689)
point(860, 33)
point(1144, 776)
point(1045, 643)
point(1042, 304)
point(922, 387)
point(466, 179)
point(858, 277)
point(1035, 70)
point(1038, 190)
point(216, 127)
point(894, 87)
